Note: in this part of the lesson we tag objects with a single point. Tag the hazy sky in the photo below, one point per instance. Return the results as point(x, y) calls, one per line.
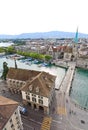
point(23, 16)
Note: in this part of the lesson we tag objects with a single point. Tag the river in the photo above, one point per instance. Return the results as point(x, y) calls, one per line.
point(79, 91)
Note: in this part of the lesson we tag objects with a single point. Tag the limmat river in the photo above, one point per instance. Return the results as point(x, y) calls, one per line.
point(79, 91)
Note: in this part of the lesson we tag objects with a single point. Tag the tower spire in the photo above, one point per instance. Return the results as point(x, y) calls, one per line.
point(76, 36)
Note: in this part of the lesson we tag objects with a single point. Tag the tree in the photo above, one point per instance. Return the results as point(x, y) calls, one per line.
point(48, 57)
point(10, 50)
point(5, 70)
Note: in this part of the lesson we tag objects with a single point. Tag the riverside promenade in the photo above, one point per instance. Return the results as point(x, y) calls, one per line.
point(77, 117)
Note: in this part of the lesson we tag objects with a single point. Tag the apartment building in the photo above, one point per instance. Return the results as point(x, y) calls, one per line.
point(10, 118)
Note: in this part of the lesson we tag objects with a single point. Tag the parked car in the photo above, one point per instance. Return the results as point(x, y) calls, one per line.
point(23, 110)
point(82, 121)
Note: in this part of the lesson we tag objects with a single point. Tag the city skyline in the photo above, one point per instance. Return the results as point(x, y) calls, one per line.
point(28, 16)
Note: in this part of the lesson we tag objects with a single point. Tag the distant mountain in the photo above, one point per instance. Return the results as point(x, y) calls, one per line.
point(51, 34)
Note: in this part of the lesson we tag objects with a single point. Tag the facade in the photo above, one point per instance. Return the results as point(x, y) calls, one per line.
point(10, 118)
point(57, 52)
point(83, 53)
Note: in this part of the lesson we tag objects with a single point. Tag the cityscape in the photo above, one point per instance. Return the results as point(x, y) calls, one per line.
point(43, 84)
point(43, 65)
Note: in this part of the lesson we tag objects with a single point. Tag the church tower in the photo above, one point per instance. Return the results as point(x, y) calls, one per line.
point(75, 45)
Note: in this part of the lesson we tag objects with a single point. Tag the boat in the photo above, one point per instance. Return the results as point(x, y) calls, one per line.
point(45, 64)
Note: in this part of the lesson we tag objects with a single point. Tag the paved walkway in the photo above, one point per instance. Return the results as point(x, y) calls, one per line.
point(77, 117)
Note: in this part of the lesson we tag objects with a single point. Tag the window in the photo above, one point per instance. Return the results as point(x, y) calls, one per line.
point(27, 97)
point(16, 117)
point(33, 99)
point(13, 81)
point(34, 95)
point(30, 88)
point(27, 93)
point(41, 97)
point(38, 96)
point(10, 120)
point(18, 126)
point(37, 89)
point(15, 113)
point(18, 122)
point(12, 126)
point(40, 101)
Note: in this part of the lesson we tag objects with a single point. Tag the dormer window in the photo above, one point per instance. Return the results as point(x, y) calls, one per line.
point(49, 86)
point(30, 88)
point(37, 89)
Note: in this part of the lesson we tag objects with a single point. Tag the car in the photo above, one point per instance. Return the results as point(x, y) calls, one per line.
point(82, 121)
point(23, 110)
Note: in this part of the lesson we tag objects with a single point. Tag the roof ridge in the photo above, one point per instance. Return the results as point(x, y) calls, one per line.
point(42, 84)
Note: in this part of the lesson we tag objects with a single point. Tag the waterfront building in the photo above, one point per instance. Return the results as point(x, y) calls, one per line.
point(10, 118)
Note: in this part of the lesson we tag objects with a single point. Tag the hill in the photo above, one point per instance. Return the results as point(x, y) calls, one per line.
point(51, 34)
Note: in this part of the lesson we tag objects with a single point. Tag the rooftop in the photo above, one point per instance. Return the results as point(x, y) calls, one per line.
point(7, 107)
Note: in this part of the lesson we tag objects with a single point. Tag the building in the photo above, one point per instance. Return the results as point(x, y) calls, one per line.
point(68, 54)
point(10, 118)
point(37, 87)
point(83, 53)
point(16, 78)
point(39, 92)
point(57, 52)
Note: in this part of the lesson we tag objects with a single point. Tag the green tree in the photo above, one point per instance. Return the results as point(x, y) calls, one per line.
point(10, 50)
point(2, 49)
point(48, 57)
point(5, 70)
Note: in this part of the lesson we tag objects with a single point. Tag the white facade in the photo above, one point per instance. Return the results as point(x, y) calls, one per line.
point(45, 100)
point(67, 56)
point(14, 123)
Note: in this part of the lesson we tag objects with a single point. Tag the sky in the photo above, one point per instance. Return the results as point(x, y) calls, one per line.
point(27, 16)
